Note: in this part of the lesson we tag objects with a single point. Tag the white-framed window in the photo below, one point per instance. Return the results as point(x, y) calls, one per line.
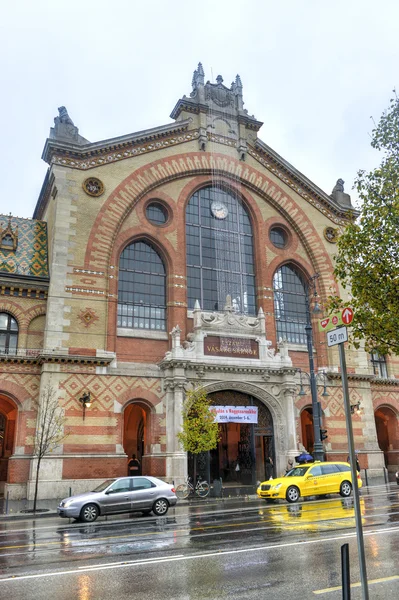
point(379, 364)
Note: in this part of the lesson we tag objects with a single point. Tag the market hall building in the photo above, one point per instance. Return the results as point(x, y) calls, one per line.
point(162, 259)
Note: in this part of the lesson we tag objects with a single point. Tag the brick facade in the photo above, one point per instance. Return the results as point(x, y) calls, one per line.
point(68, 336)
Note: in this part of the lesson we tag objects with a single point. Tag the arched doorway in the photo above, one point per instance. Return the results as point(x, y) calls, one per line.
point(135, 423)
point(307, 428)
point(8, 420)
point(386, 424)
point(246, 445)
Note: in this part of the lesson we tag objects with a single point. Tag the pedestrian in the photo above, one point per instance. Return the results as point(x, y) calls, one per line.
point(134, 466)
point(269, 468)
point(357, 461)
point(290, 464)
point(237, 470)
point(304, 458)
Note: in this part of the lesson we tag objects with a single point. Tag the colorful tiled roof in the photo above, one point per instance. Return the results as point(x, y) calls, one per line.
point(30, 255)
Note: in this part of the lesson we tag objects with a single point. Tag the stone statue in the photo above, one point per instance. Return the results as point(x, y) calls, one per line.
point(63, 116)
point(339, 186)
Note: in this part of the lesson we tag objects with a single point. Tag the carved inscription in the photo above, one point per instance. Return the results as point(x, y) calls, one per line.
point(231, 347)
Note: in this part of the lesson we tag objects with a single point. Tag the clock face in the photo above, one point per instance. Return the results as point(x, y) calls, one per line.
point(219, 209)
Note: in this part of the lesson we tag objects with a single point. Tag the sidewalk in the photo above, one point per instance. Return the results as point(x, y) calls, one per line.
point(22, 509)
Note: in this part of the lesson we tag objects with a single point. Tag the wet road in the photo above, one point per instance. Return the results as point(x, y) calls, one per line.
point(235, 548)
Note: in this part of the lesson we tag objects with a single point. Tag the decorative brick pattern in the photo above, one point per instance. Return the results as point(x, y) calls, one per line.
point(30, 256)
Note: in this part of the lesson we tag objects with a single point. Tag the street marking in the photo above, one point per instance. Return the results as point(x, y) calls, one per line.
point(304, 522)
point(338, 588)
point(176, 558)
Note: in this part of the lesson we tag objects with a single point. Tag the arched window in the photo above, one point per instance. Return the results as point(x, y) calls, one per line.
point(290, 304)
point(220, 259)
point(8, 334)
point(141, 288)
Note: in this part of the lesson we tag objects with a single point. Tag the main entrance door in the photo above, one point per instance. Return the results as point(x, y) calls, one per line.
point(241, 457)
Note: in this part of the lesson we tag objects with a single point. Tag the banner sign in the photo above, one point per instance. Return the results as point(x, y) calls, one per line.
point(231, 347)
point(235, 414)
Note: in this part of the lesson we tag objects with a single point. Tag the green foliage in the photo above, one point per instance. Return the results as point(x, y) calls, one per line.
point(200, 432)
point(367, 264)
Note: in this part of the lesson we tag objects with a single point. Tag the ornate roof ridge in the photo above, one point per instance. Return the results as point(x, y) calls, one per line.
point(103, 146)
point(21, 218)
point(310, 187)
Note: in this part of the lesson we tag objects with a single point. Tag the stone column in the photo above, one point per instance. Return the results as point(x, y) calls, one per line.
point(176, 458)
point(289, 392)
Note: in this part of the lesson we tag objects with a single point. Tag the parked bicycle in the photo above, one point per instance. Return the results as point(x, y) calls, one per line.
point(184, 490)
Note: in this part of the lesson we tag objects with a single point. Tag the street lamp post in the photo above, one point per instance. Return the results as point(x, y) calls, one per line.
point(318, 450)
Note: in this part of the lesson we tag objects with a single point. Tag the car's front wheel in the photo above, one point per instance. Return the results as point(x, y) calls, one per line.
point(89, 513)
point(292, 494)
point(160, 507)
point(345, 489)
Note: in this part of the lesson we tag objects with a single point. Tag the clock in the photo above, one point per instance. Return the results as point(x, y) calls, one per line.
point(219, 209)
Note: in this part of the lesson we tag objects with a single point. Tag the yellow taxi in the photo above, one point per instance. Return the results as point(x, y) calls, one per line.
point(311, 479)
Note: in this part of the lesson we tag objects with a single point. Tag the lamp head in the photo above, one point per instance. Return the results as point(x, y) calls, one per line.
point(316, 309)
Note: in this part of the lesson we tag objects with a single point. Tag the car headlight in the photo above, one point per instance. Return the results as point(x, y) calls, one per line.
point(278, 486)
point(68, 503)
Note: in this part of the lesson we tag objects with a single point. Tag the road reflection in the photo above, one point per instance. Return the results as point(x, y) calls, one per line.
point(85, 587)
point(318, 516)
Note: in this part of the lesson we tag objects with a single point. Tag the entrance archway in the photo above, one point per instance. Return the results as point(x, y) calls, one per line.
point(307, 429)
point(386, 424)
point(8, 420)
point(135, 424)
point(247, 445)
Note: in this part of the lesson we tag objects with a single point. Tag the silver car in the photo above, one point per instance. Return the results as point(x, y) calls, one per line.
point(125, 494)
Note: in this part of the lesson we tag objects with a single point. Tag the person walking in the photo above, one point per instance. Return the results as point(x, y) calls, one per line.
point(357, 461)
point(290, 464)
point(269, 468)
point(134, 466)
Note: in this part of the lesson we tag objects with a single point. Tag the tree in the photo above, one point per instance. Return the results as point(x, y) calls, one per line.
point(200, 432)
point(49, 429)
point(367, 264)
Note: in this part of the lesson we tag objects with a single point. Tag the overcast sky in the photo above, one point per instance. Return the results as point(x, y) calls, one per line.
point(314, 71)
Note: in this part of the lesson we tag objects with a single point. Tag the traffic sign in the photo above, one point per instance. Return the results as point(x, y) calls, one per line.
point(343, 317)
point(347, 316)
point(337, 336)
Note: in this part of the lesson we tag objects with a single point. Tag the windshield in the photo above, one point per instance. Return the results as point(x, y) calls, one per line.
point(297, 472)
point(103, 485)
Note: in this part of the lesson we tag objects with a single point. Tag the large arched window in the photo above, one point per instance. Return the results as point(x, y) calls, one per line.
point(290, 304)
point(141, 288)
point(8, 334)
point(220, 258)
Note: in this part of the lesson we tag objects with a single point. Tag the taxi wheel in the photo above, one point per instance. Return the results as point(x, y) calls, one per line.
point(345, 489)
point(292, 494)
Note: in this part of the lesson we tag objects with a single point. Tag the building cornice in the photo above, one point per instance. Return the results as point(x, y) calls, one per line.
point(89, 156)
point(85, 152)
point(192, 106)
point(40, 357)
point(202, 367)
point(372, 379)
point(295, 179)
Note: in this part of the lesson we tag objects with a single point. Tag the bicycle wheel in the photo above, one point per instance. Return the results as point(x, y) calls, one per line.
point(182, 491)
point(203, 489)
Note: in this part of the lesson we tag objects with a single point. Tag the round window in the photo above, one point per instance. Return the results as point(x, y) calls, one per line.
point(278, 237)
point(156, 213)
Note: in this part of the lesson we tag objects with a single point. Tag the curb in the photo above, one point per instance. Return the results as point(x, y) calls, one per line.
point(18, 516)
